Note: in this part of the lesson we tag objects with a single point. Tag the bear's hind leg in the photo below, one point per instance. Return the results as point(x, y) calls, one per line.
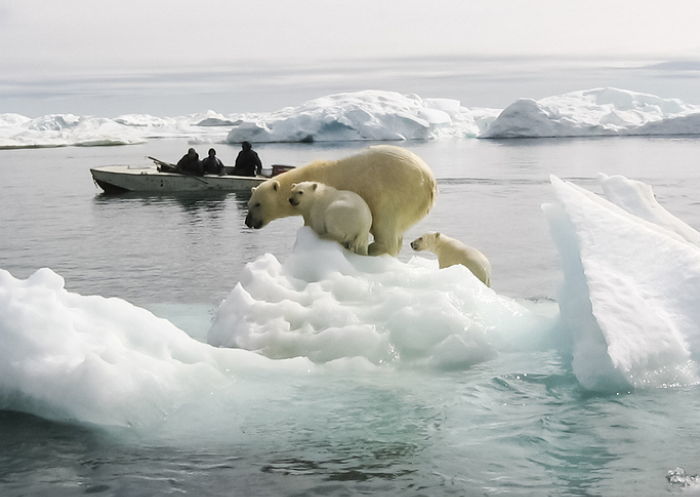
point(381, 245)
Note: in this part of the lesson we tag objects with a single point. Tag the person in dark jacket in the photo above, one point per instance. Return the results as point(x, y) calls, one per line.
point(212, 164)
point(247, 163)
point(189, 164)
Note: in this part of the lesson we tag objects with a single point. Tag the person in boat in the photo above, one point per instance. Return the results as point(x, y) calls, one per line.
point(247, 163)
point(212, 164)
point(190, 164)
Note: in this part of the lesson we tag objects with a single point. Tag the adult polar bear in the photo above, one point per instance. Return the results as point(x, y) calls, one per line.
point(397, 185)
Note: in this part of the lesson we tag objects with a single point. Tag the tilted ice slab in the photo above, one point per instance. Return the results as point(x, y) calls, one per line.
point(631, 286)
point(365, 115)
point(326, 303)
point(596, 112)
point(105, 361)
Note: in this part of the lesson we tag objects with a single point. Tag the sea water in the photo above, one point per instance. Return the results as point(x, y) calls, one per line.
point(177, 417)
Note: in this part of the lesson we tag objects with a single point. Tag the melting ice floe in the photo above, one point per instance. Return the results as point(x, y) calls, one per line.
point(632, 286)
point(64, 355)
point(374, 116)
point(105, 361)
point(325, 303)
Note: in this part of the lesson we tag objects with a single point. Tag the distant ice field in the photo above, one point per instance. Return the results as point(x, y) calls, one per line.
point(373, 115)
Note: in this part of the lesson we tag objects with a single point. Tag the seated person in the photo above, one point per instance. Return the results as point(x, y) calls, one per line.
point(189, 164)
point(247, 163)
point(212, 164)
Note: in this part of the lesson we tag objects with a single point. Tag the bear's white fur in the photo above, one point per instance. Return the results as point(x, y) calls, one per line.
point(450, 252)
point(339, 215)
point(397, 185)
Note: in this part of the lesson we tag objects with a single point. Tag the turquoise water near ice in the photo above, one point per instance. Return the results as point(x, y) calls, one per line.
point(518, 424)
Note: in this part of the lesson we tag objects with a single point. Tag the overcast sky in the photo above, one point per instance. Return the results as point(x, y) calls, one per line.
point(40, 36)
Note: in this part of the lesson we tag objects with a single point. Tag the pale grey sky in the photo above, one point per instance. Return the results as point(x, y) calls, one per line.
point(110, 57)
point(39, 36)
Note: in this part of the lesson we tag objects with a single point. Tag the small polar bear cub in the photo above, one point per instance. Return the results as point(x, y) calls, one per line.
point(450, 252)
point(339, 215)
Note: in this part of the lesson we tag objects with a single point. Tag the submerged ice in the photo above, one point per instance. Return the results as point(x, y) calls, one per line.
point(373, 115)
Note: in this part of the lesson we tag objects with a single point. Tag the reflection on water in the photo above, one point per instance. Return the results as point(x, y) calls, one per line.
point(188, 200)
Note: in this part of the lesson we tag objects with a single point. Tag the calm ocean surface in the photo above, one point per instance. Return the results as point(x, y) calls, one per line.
point(516, 425)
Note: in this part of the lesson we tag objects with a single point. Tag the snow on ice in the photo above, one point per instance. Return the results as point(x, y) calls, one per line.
point(373, 116)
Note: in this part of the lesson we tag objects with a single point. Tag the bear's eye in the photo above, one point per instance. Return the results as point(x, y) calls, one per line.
point(257, 204)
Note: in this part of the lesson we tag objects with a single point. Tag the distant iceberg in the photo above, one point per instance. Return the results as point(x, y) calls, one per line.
point(597, 112)
point(373, 115)
point(61, 130)
point(365, 116)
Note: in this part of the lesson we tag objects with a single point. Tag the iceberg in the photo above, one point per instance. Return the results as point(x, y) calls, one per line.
point(367, 115)
point(596, 112)
point(372, 115)
point(631, 285)
point(61, 130)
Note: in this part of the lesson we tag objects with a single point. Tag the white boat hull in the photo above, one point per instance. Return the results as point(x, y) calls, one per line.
point(116, 179)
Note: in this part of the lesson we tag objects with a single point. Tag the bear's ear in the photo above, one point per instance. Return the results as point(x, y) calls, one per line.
point(437, 234)
point(293, 185)
point(275, 185)
point(254, 188)
point(314, 186)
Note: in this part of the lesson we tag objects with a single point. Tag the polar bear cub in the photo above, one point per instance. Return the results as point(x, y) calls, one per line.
point(339, 215)
point(450, 252)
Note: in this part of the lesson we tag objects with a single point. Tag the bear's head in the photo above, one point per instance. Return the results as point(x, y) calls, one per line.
point(262, 206)
point(425, 242)
point(301, 193)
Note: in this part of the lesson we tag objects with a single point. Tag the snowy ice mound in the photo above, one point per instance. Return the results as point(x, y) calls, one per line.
point(597, 112)
point(60, 130)
point(372, 115)
point(326, 303)
point(631, 289)
point(366, 115)
point(57, 130)
point(104, 361)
